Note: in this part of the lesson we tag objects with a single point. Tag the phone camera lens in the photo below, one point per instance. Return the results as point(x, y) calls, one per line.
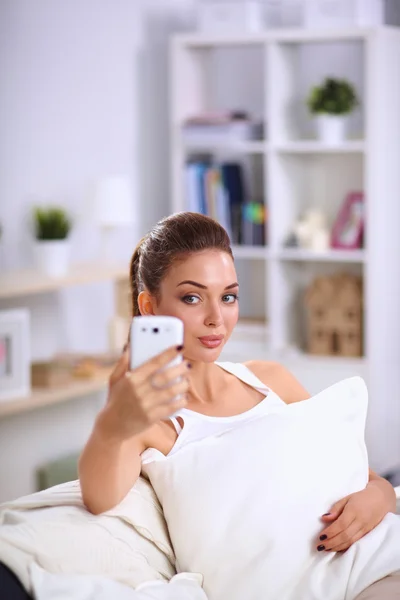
point(155, 330)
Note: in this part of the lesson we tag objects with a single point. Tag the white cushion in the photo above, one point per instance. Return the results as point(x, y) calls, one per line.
point(243, 508)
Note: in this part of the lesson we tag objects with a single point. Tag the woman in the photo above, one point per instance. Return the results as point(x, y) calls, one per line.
point(184, 267)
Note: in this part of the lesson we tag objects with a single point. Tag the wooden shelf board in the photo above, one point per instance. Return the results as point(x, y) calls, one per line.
point(41, 397)
point(27, 282)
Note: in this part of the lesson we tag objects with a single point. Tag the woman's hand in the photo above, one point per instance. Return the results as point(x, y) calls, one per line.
point(150, 393)
point(351, 518)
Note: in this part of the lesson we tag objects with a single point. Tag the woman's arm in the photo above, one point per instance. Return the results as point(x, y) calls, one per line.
point(385, 488)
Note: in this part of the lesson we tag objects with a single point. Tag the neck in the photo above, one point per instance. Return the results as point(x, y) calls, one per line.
point(202, 382)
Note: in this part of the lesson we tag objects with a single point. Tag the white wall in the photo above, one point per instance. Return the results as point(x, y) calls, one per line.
point(80, 99)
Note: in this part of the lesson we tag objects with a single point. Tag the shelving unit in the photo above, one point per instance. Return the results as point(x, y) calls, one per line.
point(301, 172)
point(24, 283)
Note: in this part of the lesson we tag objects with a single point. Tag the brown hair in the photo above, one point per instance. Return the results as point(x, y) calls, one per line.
point(171, 239)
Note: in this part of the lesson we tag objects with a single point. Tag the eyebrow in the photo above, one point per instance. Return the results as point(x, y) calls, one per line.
point(204, 287)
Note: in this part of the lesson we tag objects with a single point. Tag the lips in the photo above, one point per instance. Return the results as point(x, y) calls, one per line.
point(211, 341)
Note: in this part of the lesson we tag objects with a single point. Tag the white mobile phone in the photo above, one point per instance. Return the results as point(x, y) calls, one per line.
point(151, 335)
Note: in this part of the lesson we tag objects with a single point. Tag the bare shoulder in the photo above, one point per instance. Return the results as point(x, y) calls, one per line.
point(279, 379)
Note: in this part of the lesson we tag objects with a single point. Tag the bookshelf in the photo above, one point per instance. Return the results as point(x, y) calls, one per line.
point(299, 171)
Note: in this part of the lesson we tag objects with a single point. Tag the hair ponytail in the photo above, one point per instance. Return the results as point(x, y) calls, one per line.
point(134, 278)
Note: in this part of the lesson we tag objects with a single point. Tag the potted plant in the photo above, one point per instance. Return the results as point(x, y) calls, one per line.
point(331, 103)
point(52, 227)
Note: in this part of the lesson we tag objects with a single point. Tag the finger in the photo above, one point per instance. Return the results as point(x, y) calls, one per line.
point(169, 394)
point(160, 413)
point(336, 510)
point(344, 539)
point(345, 546)
point(120, 368)
point(339, 525)
point(164, 378)
point(156, 363)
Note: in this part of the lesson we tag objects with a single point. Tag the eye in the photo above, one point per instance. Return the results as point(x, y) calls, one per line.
point(230, 298)
point(190, 299)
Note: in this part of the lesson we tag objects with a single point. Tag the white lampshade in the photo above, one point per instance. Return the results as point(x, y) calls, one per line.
point(112, 202)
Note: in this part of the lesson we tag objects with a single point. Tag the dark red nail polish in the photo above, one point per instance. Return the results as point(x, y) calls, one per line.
point(323, 537)
point(320, 548)
point(189, 365)
point(179, 348)
point(326, 514)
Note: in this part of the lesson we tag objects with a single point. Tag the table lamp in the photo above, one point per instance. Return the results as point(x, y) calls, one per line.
point(112, 206)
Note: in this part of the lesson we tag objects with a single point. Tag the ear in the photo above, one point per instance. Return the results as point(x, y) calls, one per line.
point(146, 303)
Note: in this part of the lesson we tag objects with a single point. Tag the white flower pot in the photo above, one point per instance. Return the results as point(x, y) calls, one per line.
point(331, 129)
point(52, 257)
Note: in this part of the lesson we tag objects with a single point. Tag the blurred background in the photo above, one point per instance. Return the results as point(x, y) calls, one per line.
point(279, 118)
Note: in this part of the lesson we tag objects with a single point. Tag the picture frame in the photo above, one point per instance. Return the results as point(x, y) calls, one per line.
point(15, 370)
point(348, 228)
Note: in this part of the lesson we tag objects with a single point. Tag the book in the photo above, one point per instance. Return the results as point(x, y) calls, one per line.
point(219, 191)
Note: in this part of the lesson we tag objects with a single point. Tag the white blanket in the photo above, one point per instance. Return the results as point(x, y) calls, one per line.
point(49, 586)
point(59, 550)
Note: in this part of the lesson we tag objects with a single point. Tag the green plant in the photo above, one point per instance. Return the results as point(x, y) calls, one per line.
point(333, 97)
point(52, 223)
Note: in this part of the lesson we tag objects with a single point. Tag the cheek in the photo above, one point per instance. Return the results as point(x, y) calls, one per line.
point(231, 316)
point(176, 308)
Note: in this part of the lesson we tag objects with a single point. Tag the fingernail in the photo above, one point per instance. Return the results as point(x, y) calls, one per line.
point(323, 537)
point(320, 548)
point(179, 348)
point(189, 365)
point(326, 514)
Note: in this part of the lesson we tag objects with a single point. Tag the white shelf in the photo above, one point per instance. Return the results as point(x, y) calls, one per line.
point(251, 252)
point(246, 147)
point(334, 256)
point(310, 36)
point(27, 282)
point(287, 36)
point(41, 397)
point(300, 174)
point(204, 40)
point(316, 147)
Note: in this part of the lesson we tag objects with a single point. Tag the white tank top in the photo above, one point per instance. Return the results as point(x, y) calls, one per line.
point(197, 427)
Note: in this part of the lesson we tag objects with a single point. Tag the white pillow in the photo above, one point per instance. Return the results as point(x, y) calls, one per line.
point(243, 508)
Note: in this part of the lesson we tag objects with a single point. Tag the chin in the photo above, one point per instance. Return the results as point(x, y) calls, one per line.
point(205, 355)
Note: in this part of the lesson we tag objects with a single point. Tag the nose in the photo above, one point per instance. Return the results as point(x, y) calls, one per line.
point(214, 316)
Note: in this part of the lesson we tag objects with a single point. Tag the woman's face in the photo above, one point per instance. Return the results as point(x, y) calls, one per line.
point(202, 290)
